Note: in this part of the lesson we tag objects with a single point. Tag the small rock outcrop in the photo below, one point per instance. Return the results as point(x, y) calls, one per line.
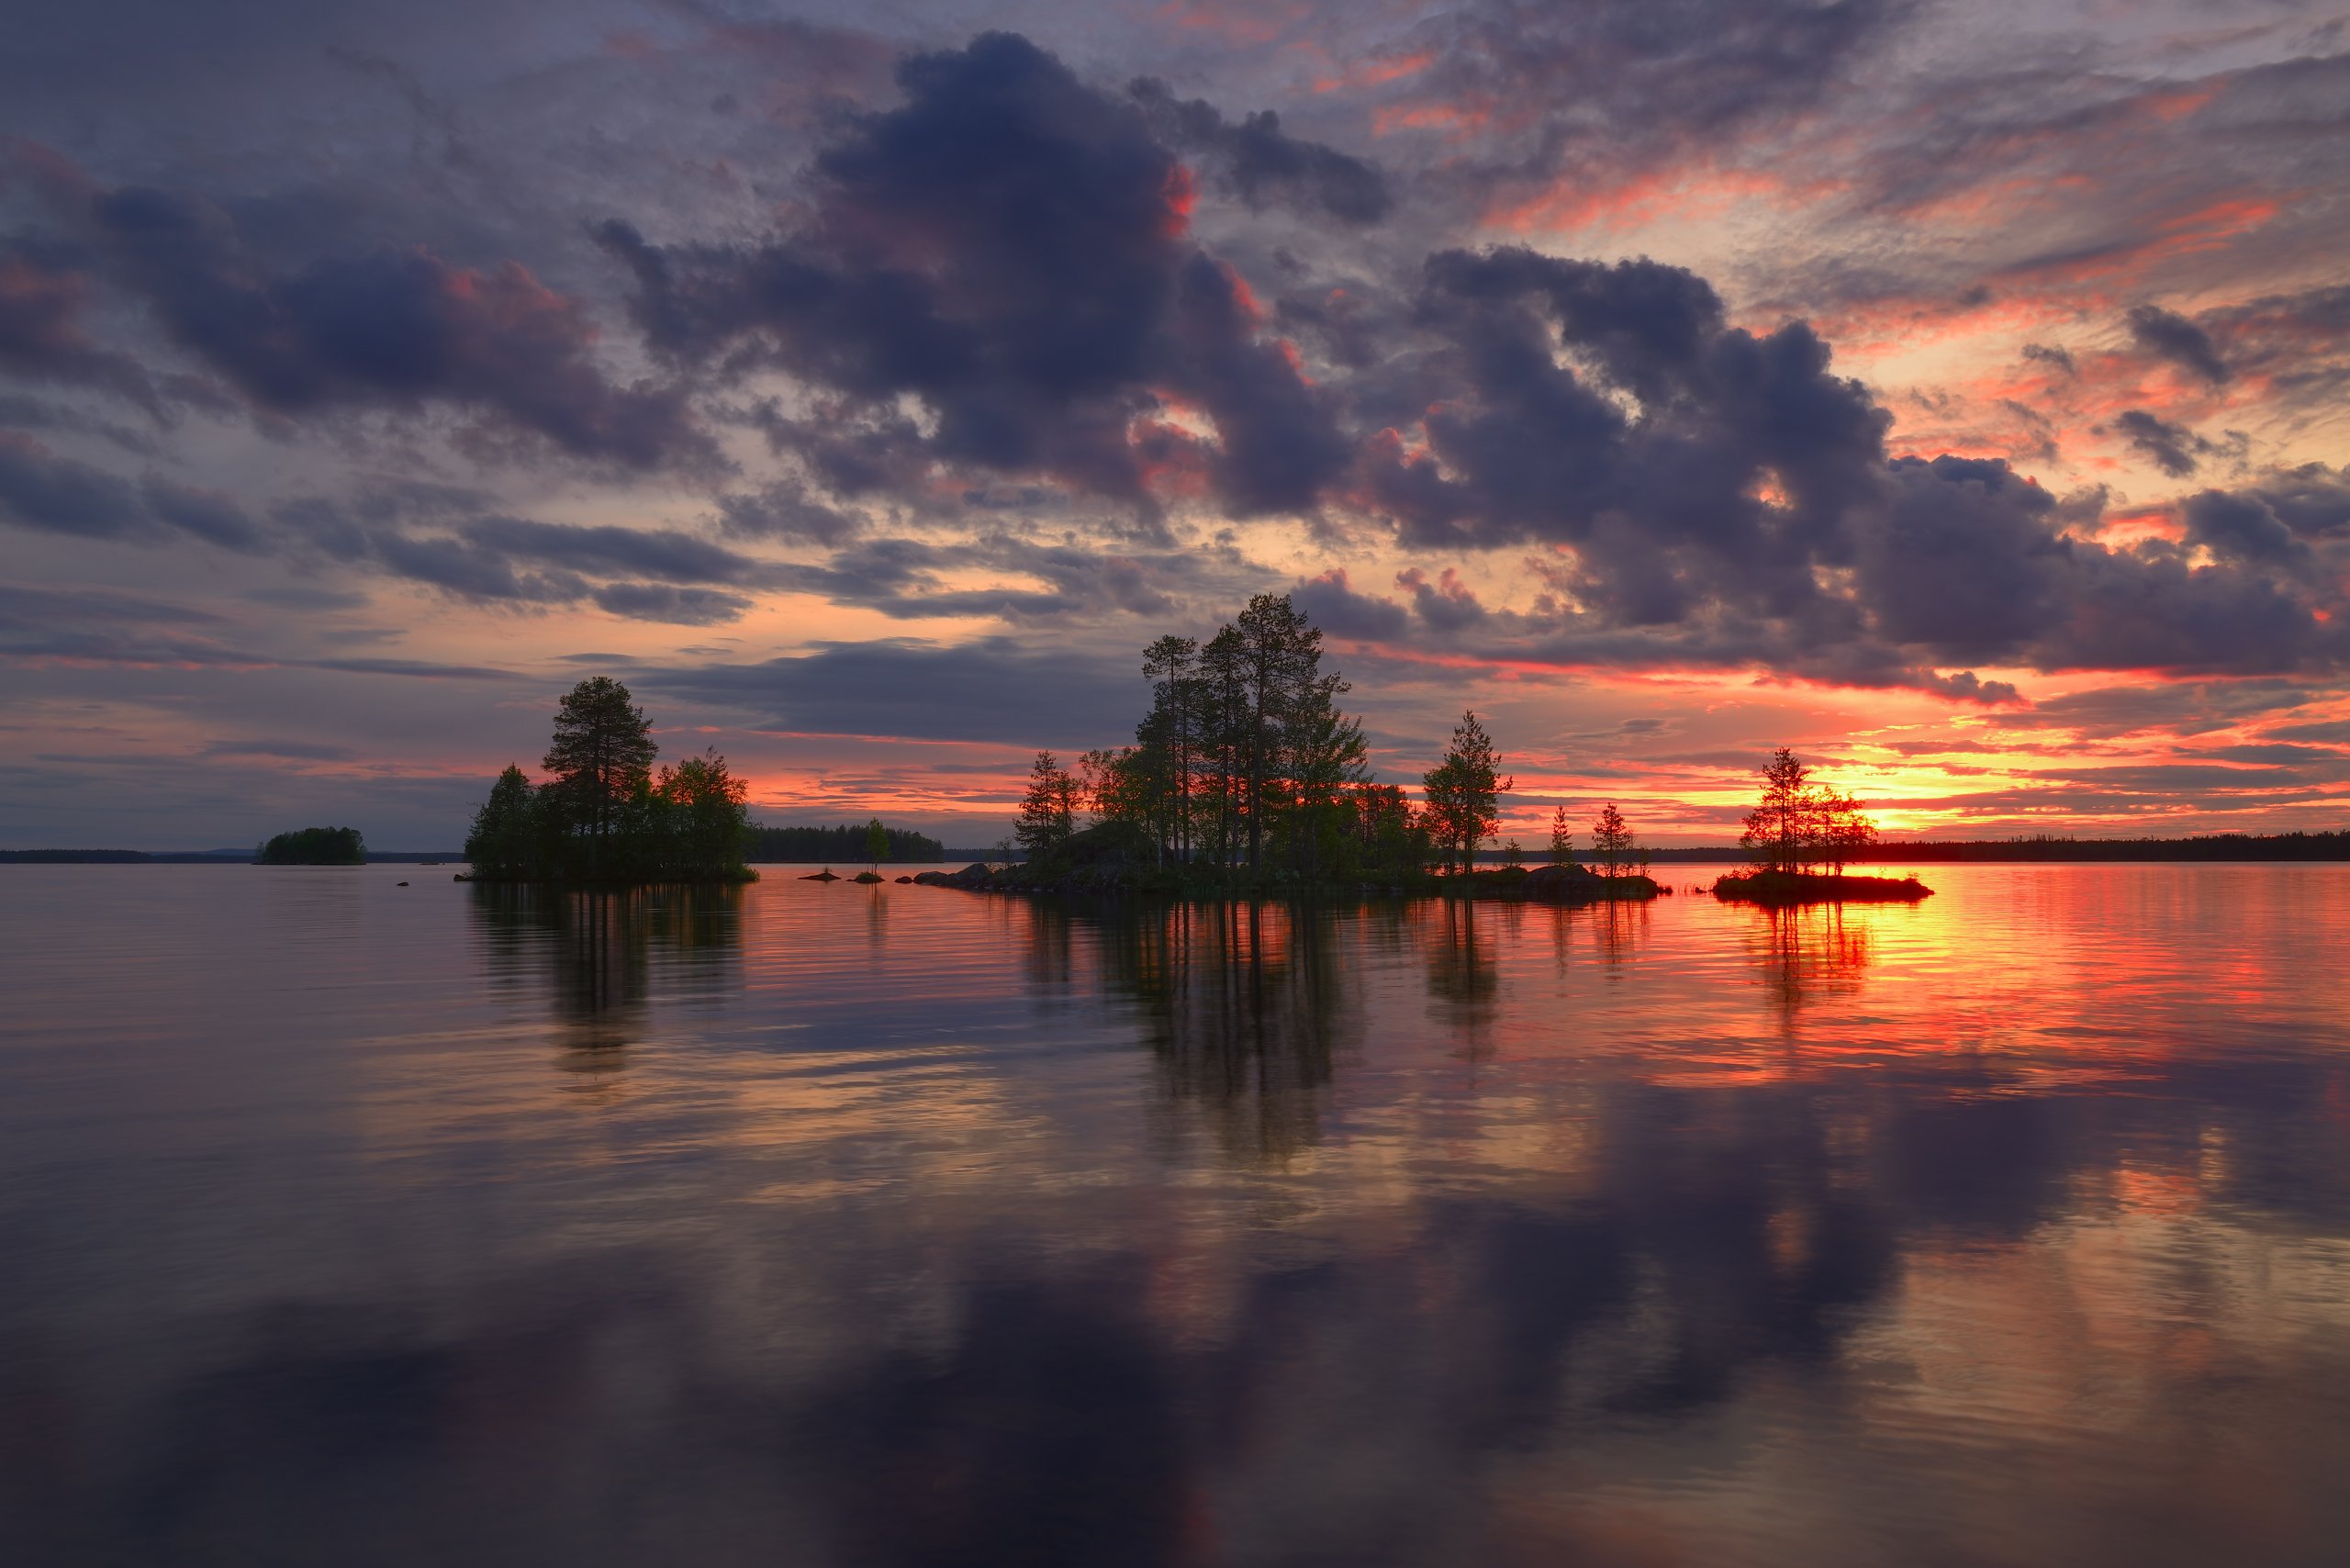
point(977, 874)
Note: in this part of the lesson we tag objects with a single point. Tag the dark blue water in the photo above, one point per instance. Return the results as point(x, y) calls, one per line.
point(347, 1223)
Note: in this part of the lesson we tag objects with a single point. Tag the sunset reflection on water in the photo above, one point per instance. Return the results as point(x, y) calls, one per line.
point(905, 1226)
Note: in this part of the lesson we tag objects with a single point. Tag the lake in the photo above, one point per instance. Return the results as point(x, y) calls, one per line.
point(353, 1223)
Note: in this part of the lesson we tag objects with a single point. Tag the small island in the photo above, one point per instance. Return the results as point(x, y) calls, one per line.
point(604, 817)
point(1801, 835)
point(1248, 779)
point(1813, 887)
point(313, 847)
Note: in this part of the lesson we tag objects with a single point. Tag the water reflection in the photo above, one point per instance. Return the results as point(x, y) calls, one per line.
point(876, 1263)
point(1809, 953)
point(596, 953)
point(1242, 1010)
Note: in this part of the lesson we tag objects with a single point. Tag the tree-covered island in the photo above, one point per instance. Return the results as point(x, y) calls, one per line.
point(604, 815)
point(1802, 834)
point(1248, 777)
point(313, 847)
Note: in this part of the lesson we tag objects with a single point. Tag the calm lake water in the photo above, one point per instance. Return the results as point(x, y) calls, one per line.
point(348, 1223)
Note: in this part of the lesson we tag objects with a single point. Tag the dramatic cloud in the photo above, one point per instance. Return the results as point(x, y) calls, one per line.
point(1011, 247)
point(386, 329)
point(1948, 396)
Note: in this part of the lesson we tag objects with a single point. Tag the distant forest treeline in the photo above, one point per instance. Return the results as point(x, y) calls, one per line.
point(845, 845)
point(2211, 847)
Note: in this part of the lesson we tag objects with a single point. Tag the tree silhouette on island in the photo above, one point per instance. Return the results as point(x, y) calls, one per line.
point(314, 846)
point(1246, 777)
point(1798, 825)
point(604, 816)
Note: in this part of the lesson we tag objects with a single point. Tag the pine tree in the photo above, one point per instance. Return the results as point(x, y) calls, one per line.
point(602, 760)
point(1611, 837)
point(1779, 826)
point(1172, 730)
point(1049, 809)
point(1562, 839)
point(504, 841)
point(1464, 792)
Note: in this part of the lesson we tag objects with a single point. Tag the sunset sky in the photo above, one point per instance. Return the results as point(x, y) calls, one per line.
point(1955, 392)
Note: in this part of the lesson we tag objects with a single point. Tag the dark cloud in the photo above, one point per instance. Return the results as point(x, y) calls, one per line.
point(22, 605)
point(1262, 165)
point(389, 328)
point(305, 598)
point(1445, 603)
point(1719, 498)
point(2242, 526)
point(2333, 731)
point(2172, 337)
point(1331, 603)
point(43, 297)
point(1012, 247)
point(784, 511)
point(2173, 448)
point(2312, 501)
point(430, 534)
point(666, 602)
point(2298, 343)
point(993, 690)
point(41, 491)
point(1601, 91)
point(2051, 355)
point(663, 554)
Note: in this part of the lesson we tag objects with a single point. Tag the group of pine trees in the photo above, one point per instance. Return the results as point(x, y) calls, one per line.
point(1247, 766)
point(1801, 824)
point(605, 815)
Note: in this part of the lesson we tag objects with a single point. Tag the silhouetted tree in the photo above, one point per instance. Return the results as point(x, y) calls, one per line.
point(1777, 830)
point(1280, 650)
point(1611, 837)
point(877, 844)
point(509, 834)
point(1391, 841)
point(1846, 835)
point(604, 816)
point(702, 823)
point(1172, 732)
point(1562, 839)
point(1464, 792)
point(1798, 823)
point(1048, 811)
point(602, 760)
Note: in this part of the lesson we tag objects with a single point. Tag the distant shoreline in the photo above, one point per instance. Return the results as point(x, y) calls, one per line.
point(2215, 849)
point(206, 857)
